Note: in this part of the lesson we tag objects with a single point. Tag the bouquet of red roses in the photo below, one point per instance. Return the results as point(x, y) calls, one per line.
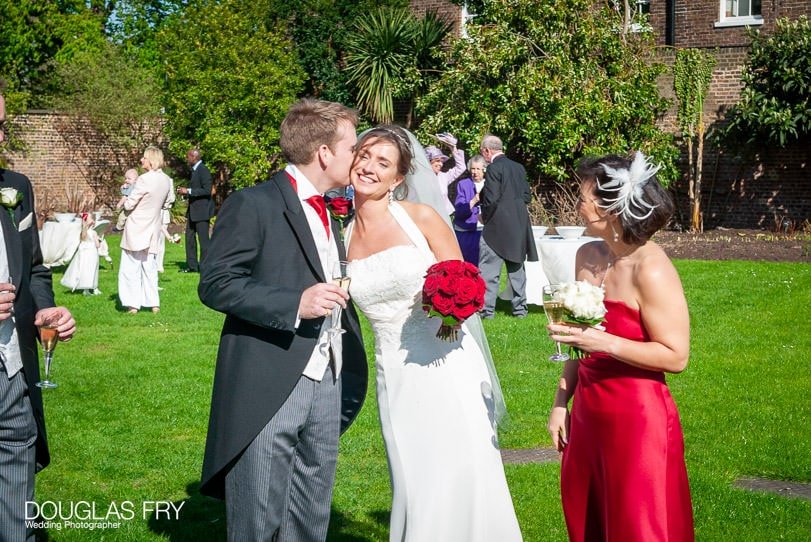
point(453, 291)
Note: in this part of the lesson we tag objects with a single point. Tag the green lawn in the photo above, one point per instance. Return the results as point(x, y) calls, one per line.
point(127, 424)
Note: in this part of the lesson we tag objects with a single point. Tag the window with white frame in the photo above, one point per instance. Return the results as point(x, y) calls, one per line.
point(643, 7)
point(466, 17)
point(739, 13)
point(640, 14)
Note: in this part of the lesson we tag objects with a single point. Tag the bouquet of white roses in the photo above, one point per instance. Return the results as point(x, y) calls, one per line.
point(583, 302)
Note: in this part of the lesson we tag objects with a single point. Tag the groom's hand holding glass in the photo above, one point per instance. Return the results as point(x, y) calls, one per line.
point(318, 300)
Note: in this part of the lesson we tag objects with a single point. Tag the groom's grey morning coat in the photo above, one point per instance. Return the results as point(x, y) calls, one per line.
point(261, 258)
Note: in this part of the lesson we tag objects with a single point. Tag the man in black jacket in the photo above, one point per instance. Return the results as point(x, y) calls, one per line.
point(200, 211)
point(26, 301)
point(282, 389)
point(507, 235)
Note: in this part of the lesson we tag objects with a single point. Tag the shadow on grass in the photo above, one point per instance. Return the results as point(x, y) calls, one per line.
point(202, 518)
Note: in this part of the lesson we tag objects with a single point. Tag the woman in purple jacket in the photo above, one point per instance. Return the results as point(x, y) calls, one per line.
point(466, 218)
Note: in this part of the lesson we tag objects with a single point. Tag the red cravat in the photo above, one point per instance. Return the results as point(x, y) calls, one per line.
point(316, 202)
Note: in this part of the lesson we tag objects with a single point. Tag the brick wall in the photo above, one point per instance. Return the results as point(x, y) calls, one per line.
point(67, 171)
point(744, 193)
point(695, 21)
point(448, 11)
point(48, 160)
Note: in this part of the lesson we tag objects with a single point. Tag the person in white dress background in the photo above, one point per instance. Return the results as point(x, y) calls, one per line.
point(166, 219)
point(83, 271)
point(437, 400)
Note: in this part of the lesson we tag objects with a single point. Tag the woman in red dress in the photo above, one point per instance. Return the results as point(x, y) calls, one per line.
point(623, 476)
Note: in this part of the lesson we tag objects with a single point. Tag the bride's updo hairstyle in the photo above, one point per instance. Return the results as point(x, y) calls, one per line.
point(397, 137)
point(630, 190)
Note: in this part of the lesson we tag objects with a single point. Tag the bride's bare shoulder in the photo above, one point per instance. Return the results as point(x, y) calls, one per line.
point(419, 212)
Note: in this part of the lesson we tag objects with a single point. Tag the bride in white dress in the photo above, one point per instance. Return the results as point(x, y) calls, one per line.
point(437, 400)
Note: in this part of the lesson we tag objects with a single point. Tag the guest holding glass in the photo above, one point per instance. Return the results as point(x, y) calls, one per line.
point(26, 302)
point(138, 272)
point(623, 475)
point(466, 221)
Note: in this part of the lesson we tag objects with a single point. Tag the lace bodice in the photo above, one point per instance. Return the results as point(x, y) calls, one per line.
point(387, 287)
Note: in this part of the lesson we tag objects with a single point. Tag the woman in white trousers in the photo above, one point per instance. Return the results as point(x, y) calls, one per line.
point(138, 272)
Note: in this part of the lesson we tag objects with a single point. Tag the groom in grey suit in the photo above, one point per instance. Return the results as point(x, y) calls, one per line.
point(282, 391)
point(26, 299)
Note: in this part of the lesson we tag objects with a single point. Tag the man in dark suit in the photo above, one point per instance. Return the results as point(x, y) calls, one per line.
point(199, 212)
point(283, 391)
point(507, 236)
point(26, 300)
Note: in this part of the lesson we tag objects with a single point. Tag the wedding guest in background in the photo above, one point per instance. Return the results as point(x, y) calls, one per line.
point(138, 272)
point(26, 301)
point(199, 212)
point(623, 475)
point(283, 391)
point(166, 219)
point(466, 221)
point(437, 159)
point(130, 177)
point(83, 271)
point(507, 235)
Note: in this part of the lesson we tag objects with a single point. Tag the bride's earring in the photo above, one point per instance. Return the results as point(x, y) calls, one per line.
point(391, 195)
point(616, 235)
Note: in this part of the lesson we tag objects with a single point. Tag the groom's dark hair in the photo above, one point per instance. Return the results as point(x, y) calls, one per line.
point(309, 124)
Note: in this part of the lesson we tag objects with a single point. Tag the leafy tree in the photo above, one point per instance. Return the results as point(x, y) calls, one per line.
point(320, 30)
point(33, 34)
point(775, 105)
point(555, 80)
point(387, 56)
point(692, 74)
point(112, 106)
point(230, 75)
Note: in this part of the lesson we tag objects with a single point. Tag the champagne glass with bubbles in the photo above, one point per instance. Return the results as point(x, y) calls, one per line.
point(341, 277)
point(48, 336)
point(554, 309)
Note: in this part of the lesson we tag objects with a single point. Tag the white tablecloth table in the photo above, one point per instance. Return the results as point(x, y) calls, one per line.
point(555, 265)
point(59, 241)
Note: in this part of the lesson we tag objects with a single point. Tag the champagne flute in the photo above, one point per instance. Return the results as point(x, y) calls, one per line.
point(554, 309)
point(48, 336)
point(341, 278)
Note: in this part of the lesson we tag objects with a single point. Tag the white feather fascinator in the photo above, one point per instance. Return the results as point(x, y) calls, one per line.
point(628, 184)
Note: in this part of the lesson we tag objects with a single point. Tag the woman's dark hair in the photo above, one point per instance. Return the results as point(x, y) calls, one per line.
point(634, 231)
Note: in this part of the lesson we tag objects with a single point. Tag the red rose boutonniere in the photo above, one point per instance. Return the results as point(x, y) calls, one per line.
point(341, 210)
point(453, 291)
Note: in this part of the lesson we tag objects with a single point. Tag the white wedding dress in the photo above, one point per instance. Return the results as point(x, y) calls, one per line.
point(436, 415)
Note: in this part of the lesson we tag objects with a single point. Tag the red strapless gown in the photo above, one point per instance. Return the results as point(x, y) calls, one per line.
point(623, 477)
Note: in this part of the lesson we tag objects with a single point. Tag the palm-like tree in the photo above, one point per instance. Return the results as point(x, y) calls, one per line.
point(387, 55)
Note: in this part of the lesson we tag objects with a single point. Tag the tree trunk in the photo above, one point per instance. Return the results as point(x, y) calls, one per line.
point(691, 188)
point(697, 224)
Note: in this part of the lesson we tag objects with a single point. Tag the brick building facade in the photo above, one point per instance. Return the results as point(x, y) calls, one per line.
point(774, 186)
point(739, 192)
